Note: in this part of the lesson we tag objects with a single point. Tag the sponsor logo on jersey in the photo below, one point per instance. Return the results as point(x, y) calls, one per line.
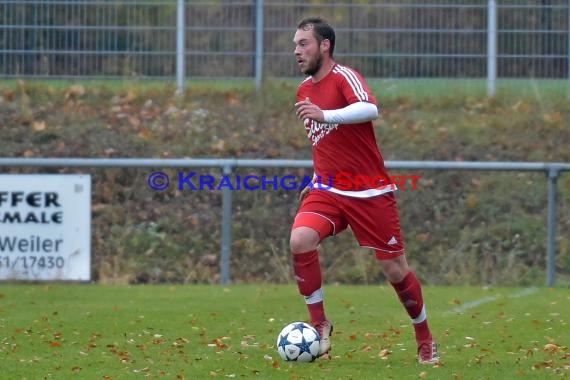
point(317, 131)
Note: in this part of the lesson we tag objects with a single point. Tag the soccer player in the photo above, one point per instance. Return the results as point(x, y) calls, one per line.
point(351, 183)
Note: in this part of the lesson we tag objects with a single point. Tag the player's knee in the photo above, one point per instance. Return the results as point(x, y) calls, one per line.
point(395, 269)
point(304, 239)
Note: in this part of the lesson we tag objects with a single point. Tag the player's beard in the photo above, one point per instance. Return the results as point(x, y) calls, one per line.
point(315, 66)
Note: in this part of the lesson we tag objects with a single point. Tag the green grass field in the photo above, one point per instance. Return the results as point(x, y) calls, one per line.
point(80, 331)
point(64, 331)
point(419, 89)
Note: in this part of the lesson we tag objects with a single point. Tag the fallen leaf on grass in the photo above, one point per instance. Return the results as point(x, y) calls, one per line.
point(218, 344)
point(553, 117)
point(383, 354)
point(145, 369)
point(541, 365)
point(218, 146)
point(8, 95)
point(145, 134)
point(479, 358)
point(134, 121)
point(233, 99)
point(180, 342)
point(551, 348)
point(75, 90)
point(395, 331)
point(366, 348)
point(39, 126)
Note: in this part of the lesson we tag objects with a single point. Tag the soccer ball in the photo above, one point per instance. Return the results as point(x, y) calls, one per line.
point(298, 342)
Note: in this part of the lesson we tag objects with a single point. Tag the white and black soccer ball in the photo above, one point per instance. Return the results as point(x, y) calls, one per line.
point(298, 342)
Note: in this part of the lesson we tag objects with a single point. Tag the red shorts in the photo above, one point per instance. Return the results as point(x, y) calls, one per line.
point(374, 221)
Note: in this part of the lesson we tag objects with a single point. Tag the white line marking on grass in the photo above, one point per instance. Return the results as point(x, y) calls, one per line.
point(473, 304)
point(525, 292)
point(470, 305)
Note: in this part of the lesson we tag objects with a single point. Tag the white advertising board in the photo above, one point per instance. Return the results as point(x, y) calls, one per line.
point(45, 227)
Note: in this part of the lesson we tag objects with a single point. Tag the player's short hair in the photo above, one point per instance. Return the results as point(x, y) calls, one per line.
point(321, 29)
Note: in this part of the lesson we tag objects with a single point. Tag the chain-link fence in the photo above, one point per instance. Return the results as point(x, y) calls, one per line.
point(404, 39)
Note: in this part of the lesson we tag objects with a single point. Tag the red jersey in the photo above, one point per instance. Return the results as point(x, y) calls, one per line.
point(345, 156)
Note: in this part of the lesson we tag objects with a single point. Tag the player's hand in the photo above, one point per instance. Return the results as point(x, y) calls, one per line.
point(304, 192)
point(306, 109)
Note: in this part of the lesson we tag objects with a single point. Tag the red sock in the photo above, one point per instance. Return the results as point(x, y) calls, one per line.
point(309, 280)
point(409, 292)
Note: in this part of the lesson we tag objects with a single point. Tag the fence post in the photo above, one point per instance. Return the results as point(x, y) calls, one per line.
point(491, 48)
point(180, 47)
point(553, 174)
point(568, 63)
point(258, 43)
point(226, 230)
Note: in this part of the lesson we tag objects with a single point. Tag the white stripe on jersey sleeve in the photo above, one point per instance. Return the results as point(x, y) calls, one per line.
point(354, 82)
